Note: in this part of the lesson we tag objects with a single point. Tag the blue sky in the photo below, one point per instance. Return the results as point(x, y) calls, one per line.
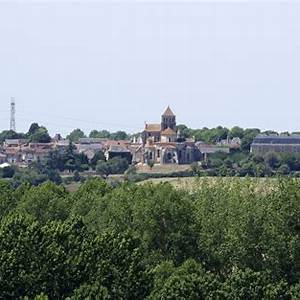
point(114, 65)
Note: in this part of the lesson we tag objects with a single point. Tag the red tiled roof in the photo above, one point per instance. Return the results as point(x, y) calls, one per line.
point(168, 131)
point(153, 127)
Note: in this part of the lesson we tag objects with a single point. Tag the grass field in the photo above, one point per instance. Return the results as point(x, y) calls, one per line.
point(194, 183)
point(175, 181)
point(163, 169)
point(261, 185)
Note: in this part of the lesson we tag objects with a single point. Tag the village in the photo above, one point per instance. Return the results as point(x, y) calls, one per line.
point(159, 144)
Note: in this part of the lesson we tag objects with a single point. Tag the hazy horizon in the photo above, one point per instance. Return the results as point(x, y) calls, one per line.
point(102, 65)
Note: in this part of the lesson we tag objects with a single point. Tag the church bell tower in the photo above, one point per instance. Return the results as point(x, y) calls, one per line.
point(168, 120)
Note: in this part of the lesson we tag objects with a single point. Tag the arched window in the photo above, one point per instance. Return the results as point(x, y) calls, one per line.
point(158, 153)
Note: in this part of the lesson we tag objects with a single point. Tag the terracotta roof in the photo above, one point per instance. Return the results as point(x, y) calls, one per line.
point(168, 131)
point(122, 143)
point(92, 140)
point(168, 112)
point(153, 127)
point(118, 149)
point(12, 151)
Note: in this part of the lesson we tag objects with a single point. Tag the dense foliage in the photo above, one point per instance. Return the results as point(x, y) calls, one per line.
point(36, 133)
point(242, 164)
point(77, 134)
point(221, 239)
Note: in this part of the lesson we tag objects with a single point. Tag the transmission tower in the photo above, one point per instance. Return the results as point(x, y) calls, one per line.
point(12, 114)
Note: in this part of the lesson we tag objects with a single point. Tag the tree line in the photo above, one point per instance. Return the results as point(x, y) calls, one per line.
point(238, 163)
point(224, 239)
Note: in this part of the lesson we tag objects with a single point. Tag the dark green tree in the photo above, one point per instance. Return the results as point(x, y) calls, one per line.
point(75, 135)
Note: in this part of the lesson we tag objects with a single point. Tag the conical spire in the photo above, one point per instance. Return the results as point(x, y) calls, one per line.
point(168, 112)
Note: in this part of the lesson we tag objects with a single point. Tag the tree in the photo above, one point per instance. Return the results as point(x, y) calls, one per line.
point(34, 127)
point(185, 132)
point(211, 135)
point(19, 270)
point(270, 132)
point(119, 135)
point(28, 175)
point(283, 170)
point(115, 165)
point(247, 139)
point(295, 292)
point(99, 156)
point(75, 135)
point(189, 281)
point(76, 176)
point(99, 134)
point(195, 168)
point(272, 160)
point(245, 284)
point(103, 168)
point(8, 172)
point(292, 160)
point(46, 202)
point(71, 162)
point(40, 136)
point(9, 134)
point(67, 252)
point(55, 161)
point(161, 216)
point(89, 196)
point(7, 198)
point(91, 291)
point(236, 132)
point(150, 164)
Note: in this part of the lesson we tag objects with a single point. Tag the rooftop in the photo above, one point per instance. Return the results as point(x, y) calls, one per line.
point(277, 139)
point(168, 131)
point(153, 127)
point(168, 112)
point(119, 149)
point(92, 140)
point(16, 141)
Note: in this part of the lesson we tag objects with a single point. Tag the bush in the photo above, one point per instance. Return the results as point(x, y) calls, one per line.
point(8, 172)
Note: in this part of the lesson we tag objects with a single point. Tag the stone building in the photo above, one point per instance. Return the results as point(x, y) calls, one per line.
point(263, 144)
point(162, 143)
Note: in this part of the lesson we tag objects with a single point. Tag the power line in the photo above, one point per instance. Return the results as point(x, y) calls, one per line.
point(89, 122)
point(55, 124)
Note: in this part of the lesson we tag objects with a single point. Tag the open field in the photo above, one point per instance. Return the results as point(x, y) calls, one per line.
point(163, 169)
point(260, 185)
point(178, 182)
point(194, 183)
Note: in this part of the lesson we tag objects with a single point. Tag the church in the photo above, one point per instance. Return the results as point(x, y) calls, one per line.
point(163, 144)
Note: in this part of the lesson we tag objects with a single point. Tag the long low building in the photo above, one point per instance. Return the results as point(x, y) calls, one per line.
point(263, 144)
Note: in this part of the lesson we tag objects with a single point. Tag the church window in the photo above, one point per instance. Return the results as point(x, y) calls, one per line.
point(150, 155)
